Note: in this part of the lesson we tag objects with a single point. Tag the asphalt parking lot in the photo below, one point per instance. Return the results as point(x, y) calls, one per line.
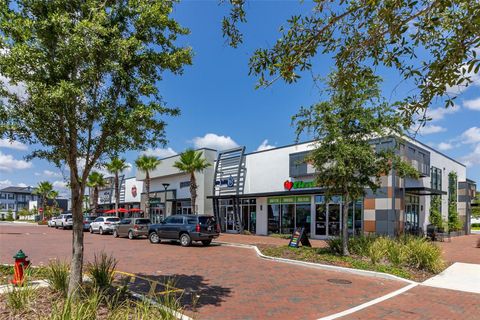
point(234, 283)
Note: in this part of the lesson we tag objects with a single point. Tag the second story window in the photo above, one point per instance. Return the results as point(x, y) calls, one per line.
point(436, 178)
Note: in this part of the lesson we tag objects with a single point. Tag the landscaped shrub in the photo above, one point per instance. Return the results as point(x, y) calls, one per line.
point(335, 245)
point(475, 225)
point(397, 253)
point(377, 251)
point(359, 245)
point(9, 216)
point(20, 298)
point(424, 255)
point(84, 308)
point(57, 276)
point(102, 270)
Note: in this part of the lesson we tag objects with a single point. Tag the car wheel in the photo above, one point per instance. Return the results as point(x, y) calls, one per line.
point(115, 233)
point(206, 242)
point(130, 235)
point(91, 230)
point(154, 238)
point(185, 240)
point(100, 231)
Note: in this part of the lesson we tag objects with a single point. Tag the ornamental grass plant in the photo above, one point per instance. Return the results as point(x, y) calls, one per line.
point(57, 276)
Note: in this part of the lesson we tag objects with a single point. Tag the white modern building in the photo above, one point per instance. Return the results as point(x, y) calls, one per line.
point(274, 191)
point(130, 194)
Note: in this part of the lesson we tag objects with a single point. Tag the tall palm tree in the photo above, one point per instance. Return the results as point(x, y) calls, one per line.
point(117, 166)
point(190, 162)
point(43, 190)
point(53, 195)
point(147, 164)
point(95, 181)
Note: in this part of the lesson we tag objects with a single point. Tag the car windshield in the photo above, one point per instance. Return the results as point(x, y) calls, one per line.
point(142, 221)
point(113, 219)
point(206, 220)
point(90, 218)
point(68, 216)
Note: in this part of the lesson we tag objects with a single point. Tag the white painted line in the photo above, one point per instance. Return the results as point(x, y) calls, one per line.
point(359, 272)
point(369, 303)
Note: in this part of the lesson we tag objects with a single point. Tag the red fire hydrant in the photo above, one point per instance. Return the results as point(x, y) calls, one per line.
point(21, 263)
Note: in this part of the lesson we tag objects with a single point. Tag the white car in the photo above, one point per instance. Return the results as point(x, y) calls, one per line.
point(64, 221)
point(104, 225)
point(51, 222)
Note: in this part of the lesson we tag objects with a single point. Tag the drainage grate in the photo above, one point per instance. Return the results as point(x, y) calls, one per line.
point(339, 281)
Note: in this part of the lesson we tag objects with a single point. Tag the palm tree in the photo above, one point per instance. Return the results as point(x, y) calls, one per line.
point(95, 181)
point(117, 166)
point(190, 162)
point(146, 164)
point(43, 190)
point(53, 195)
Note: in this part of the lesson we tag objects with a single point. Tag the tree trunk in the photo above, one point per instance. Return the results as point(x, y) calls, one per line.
point(95, 201)
point(44, 205)
point(193, 192)
point(76, 266)
point(147, 189)
point(345, 251)
point(117, 193)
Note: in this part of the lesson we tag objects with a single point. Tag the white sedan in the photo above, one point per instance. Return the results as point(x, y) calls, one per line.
point(104, 225)
point(51, 222)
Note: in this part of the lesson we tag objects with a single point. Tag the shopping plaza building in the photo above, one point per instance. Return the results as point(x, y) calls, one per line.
point(274, 191)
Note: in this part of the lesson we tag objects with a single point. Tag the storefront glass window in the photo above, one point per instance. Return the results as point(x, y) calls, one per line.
point(288, 222)
point(274, 218)
point(303, 217)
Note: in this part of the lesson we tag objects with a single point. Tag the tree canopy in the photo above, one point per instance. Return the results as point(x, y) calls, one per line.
point(432, 44)
point(90, 71)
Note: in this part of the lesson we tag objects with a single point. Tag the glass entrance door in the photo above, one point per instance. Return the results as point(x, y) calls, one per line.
point(334, 219)
point(229, 219)
point(321, 220)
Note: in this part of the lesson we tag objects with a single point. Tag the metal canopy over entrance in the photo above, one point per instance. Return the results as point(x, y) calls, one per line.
point(228, 183)
point(424, 191)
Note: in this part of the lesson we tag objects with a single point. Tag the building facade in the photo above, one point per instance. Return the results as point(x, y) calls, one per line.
point(14, 199)
point(170, 188)
point(273, 191)
point(130, 190)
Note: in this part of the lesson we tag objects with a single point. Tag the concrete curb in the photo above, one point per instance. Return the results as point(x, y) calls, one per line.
point(176, 314)
point(367, 273)
point(37, 283)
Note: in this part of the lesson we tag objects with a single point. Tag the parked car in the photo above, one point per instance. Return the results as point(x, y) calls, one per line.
point(64, 221)
point(132, 228)
point(104, 225)
point(51, 222)
point(185, 228)
point(87, 221)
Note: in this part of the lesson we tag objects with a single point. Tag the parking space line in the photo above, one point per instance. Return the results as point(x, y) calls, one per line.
point(369, 303)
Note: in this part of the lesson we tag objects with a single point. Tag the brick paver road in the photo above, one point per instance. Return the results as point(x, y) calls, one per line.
point(233, 283)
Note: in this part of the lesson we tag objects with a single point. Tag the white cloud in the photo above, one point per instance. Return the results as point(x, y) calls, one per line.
point(265, 146)
point(59, 184)
point(8, 163)
point(160, 152)
point(214, 141)
point(18, 89)
point(437, 114)
point(473, 158)
point(430, 129)
point(5, 143)
point(444, 146)
point(473, 104)
point(5, 183)
point(48, 173)
point(23, 185)
point(471, 135)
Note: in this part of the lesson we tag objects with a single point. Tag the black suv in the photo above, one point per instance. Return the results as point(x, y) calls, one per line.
point(186, 228)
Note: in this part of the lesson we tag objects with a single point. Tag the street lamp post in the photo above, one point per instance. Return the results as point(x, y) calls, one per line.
point(165, 185)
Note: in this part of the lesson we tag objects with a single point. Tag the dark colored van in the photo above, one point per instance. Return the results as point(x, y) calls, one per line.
point(185, 228)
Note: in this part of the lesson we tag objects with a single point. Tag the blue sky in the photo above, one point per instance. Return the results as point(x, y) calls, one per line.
point(221, 107)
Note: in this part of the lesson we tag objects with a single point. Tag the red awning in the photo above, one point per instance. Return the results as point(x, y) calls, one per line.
point(122, 210)
point(109, 211)
point(135, 210)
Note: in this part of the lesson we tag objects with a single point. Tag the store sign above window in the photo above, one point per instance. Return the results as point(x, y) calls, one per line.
point(284, 200)
point(228, 182)
point(289, 185)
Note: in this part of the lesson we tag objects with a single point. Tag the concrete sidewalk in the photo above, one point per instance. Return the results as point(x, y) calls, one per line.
point(459, 276)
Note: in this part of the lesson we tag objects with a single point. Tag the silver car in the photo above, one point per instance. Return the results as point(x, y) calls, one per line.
point(64, 221)
point(51, 222)
point(132, 228)
point(87, 221)
point(104, 225)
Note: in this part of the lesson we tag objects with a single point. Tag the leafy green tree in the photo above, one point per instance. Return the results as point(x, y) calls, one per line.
point(345, 160)
point(454, 222)
point(431, 43)
point(147, 164)
point(95, 180)
point(116, 166)
point(190, 162)
point(53, 195)
point(9, 215)
point(476, 206)
point(90, 70)
point(43, 190)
